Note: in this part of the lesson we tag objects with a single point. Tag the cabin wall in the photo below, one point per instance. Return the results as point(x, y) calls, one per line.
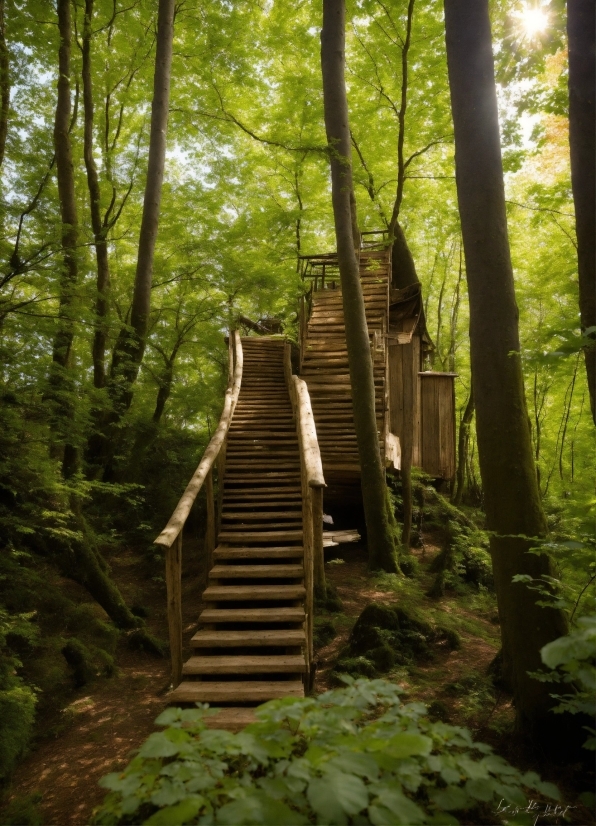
point(405, 363)
point(438, 424)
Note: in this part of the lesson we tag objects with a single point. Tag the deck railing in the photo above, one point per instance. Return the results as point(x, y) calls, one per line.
point(171, 537)
point(312, 482)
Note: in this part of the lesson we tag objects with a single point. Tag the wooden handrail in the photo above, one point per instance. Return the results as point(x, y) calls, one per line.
point(308, 433)
point(182, 509)
point(171, 537)
point(313, 482)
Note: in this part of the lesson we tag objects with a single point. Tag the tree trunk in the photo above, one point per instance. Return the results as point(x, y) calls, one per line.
point(512, 501)
point(581, 25)
point(4, 85)
point(462, 449)
point(380, 541)
point(61, 386)
point(130, 345)
point(99, 230)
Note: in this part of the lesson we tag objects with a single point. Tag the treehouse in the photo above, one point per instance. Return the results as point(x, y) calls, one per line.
point(415, 407)
point(284, 447)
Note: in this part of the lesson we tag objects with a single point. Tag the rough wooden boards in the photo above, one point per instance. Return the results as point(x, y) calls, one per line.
point(263, 664)
point(253, 639)
point(239, 615)
point(252, 593)
point(256, 572)
point(221, 692)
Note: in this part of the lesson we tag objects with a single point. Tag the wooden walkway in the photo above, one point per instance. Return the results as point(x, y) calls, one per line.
point(251, 644)
point(324, 365)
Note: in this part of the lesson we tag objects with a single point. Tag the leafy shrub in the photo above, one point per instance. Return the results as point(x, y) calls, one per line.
point(353, 755)
point(385, 636)
point(17, 700)
point(572, 661)
point(323, 632)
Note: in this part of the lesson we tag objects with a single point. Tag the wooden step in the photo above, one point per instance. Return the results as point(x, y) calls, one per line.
point(250, 639)
point(260, 536)
point(285, 552)
point(235, 692)
point(252, 593)
point(261, 514)
point(213, 615)
point(272, 664)
point(231, 719)
point(256, 572)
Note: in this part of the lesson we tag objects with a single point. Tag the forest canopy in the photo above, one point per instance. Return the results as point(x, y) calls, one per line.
point(92, 457)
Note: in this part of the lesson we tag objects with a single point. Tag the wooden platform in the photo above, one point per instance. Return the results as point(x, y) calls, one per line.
point(250, 645)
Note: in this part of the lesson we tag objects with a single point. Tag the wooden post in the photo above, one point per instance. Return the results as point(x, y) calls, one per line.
point(210, 531)
point(174, 596)
point(317, 533)
point(309, 607)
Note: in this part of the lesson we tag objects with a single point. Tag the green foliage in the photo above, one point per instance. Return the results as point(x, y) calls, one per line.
point(387, 635)
point(17, 699)
point(572, 661)
point(23, 810)
point(355, 755)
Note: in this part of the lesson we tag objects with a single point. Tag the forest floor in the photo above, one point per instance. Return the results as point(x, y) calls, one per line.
point(107, 720)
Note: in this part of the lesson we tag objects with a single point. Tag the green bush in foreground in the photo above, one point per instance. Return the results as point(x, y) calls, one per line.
point(356, 755)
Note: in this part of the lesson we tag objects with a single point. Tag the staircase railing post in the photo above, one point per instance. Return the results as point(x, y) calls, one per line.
point(210, 529)
point(317, 534)
point(174, 597)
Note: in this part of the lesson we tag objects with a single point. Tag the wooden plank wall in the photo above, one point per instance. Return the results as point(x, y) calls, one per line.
point(438, 424)
point(404, 394)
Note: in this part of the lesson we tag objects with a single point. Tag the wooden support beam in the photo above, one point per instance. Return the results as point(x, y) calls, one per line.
point(174, 598)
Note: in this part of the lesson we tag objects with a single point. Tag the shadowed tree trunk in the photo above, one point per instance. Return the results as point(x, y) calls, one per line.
point(581, 25)
point(463, 443)
point(4, 84)
point(61, 385)
point(380, 540)
point(130, 346)
point(99, 230)
point(512, 500)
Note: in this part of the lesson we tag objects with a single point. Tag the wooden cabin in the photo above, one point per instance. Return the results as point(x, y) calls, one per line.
point(415, 407)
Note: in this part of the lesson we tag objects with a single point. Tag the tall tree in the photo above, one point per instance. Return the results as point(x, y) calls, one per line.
point(4, 84)
point(380, 540)
point(130, 345)
point(99, 228)
point(513, 508)
point(61, 392)
point(581, 25)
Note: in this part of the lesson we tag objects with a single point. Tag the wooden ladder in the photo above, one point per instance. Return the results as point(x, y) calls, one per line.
point(253, 643)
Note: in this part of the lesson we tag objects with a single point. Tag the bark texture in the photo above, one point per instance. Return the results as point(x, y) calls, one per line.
point(61, 387)
point(463, 443)
point(380, 540)
point(99, 230)
point(512, 499)
point(4, 84)
point(581, 25)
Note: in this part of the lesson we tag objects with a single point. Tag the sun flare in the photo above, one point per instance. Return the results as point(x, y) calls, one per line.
point(533, 21)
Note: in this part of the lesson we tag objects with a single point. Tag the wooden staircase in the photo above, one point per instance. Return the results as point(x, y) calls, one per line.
point(324, 365)
point(251, 644)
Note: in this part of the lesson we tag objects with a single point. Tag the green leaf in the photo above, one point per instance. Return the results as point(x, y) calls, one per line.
point(182, 812)
point(401, 807)
point(164, 743)
point(481, 789)
point(356, 763)
point(337, 794)
point(255, 807)
point(403, 745)
point(451, 798)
